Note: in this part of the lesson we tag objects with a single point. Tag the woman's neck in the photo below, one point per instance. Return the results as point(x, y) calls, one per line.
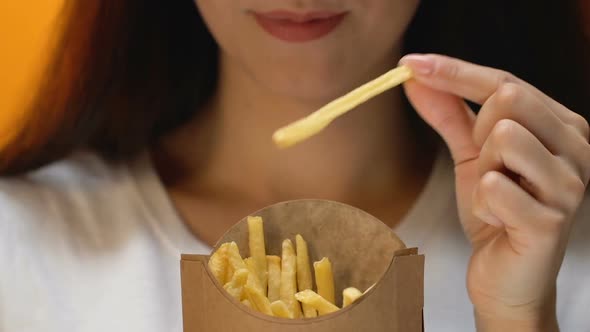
point(369, 158)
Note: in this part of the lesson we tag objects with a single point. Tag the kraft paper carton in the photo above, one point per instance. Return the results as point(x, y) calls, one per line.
point(363, 251)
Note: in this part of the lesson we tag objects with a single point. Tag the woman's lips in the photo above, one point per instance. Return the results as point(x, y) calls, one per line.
point(298, 27)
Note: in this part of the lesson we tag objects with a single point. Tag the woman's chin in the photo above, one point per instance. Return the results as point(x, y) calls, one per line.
point(315, 96)
point(316, 92)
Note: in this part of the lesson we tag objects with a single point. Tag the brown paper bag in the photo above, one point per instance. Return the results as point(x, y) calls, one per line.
point(363, 251)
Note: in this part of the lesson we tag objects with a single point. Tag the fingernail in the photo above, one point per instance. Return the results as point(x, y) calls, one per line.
point(420, 64)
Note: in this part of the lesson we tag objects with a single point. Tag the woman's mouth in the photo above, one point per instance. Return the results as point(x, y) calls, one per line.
point(298, 27)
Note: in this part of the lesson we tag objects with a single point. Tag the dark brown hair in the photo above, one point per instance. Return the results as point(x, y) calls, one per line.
point(127, 72)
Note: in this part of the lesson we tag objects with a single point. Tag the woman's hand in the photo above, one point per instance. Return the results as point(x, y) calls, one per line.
point(522, 166)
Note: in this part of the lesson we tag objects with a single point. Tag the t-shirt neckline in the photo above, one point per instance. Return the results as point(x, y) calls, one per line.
point(413, 229)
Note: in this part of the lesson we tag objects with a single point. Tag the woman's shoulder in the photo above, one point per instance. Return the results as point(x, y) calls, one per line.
point(81, 168)
point(70, 198)
point(67, 181)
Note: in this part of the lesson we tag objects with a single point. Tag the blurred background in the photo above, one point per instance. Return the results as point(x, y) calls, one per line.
point(27, 30)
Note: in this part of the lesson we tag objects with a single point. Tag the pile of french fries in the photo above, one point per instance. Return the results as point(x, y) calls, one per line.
point(278, 286)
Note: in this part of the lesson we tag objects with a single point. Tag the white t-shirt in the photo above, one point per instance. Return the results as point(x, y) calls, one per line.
point(89, 247)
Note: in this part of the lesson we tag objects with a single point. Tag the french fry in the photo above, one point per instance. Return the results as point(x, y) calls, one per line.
point(253, 293)
point(250, 264)
point(235, 285)
point(234, 260)
point(257, 299)
point(349, 295)
point(288, 279)
point(229, 273)
point(233, 257)
point(218, 264)
point(274, 277)
point(315, 122)
point(257, 249)
point(288, 286)
point(247, 303)
point(316, 301)
point(324, 279)
point(279, 309)
point(304, 279)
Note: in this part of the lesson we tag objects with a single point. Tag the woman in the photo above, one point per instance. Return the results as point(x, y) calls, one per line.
point(149, 140)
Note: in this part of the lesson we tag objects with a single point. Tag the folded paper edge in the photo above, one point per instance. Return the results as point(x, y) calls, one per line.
point(203, 259)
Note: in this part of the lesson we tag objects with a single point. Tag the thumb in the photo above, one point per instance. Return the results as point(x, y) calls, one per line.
point(448, 115)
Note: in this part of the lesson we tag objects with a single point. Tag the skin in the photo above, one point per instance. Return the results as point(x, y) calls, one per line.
point(243, 170)
point(522, 164)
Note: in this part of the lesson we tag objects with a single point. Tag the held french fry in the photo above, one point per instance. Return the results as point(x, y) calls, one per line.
point(314, 300)
point(274, 277)
point(235, 285)
point(315, 122)
point(279, 309)
point(257, 249)
point(304, 279)
point(349, 295)
point(288, 286)
point(324, 279)
point(218, 264)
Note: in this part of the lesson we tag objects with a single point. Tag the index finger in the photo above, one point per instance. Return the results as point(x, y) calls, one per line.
point(473, 82)
point(478, 83)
